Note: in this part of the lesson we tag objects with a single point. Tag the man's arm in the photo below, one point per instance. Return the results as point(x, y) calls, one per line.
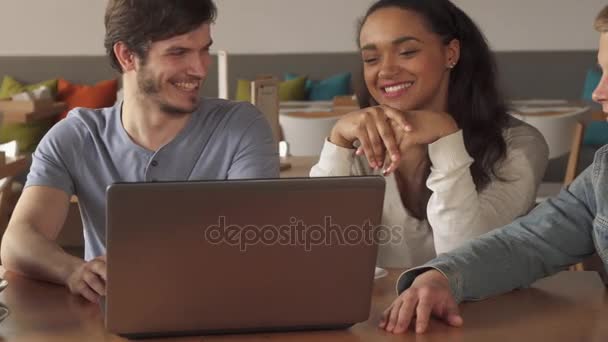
point(558, 233)
point(29, 247)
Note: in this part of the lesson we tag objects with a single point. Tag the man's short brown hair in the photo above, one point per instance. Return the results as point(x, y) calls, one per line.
point(138, 23)
point(601, 22)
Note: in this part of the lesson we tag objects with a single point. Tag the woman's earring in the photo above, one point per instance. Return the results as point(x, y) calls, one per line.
point(452, 65)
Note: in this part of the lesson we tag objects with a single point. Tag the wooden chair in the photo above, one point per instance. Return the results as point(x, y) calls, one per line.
point(571, 169)
point(547, 190)
point(575, 152)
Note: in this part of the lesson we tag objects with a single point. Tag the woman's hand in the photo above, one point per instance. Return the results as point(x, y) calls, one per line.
point(385, 133)
point(375, 129)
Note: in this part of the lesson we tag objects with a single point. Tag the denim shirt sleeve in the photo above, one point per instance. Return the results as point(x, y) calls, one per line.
point(556, 234)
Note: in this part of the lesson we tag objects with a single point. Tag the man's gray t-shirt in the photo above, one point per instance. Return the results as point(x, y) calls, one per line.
point(90, 150)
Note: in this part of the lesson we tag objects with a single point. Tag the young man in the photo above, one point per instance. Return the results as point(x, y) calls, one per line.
point(162, 131)
point(558, 233)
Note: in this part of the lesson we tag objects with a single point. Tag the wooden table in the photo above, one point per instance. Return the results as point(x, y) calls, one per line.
point(570, 306)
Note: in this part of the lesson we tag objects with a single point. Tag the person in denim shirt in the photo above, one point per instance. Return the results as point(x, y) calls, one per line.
point(558, 233)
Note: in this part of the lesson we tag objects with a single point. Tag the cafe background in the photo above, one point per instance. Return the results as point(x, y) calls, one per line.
point(546, 49)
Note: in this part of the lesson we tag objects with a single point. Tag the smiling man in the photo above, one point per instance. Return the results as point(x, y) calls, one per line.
point(162, 131)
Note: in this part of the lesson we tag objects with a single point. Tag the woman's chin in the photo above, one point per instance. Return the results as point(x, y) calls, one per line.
point(398, 105)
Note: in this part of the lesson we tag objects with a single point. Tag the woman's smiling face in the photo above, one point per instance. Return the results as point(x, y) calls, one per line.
point(405, 65)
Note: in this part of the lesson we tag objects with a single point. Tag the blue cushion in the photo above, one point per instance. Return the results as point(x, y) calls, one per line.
point(591, 81)
point(291, 76)
point(596, 132)
point(327, 89)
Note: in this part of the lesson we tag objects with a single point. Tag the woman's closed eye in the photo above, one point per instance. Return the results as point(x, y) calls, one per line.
point(408, 53)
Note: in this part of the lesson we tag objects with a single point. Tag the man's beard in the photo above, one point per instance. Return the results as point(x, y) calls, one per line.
point(149, 88)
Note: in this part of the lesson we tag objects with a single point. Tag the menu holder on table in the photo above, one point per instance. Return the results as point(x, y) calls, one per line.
point(265, 96)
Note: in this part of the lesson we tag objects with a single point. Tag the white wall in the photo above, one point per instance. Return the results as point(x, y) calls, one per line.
point(75, 27)
point(51, 27)
point(263, 26)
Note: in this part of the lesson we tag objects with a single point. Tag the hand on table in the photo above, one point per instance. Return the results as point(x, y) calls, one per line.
point(89, 279)
point(429, 295)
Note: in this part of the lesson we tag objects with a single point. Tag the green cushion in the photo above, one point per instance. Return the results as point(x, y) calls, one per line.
point(10, 87)
point(292, 90)
point(243, 90)
point(291, 76)
point(27, 135)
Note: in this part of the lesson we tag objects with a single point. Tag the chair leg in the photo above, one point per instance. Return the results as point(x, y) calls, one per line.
point(575, 151)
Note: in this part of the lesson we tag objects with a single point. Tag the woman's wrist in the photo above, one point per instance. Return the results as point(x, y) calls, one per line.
point(337, 139)
point(448, 128)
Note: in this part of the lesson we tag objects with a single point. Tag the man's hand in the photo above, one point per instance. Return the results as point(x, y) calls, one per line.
point(89, 279)
point(430, 294)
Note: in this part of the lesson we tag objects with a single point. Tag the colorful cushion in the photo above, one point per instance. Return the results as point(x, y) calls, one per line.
point(27, 135)
point(101, 95)
point(327, 89)
point(291, 90)
point(10, 87)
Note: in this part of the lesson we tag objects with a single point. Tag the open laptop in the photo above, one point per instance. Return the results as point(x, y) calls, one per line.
point(197, 258)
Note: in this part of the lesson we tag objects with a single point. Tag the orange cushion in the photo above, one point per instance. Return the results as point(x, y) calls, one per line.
point(101, 95)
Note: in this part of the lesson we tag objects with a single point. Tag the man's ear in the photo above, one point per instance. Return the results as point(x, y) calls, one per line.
point(125, 57)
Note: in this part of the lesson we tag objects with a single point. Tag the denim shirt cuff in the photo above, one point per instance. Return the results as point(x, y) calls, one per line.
point(454, 278)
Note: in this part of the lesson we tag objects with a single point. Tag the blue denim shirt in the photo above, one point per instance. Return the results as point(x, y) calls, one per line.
point(558, 233)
